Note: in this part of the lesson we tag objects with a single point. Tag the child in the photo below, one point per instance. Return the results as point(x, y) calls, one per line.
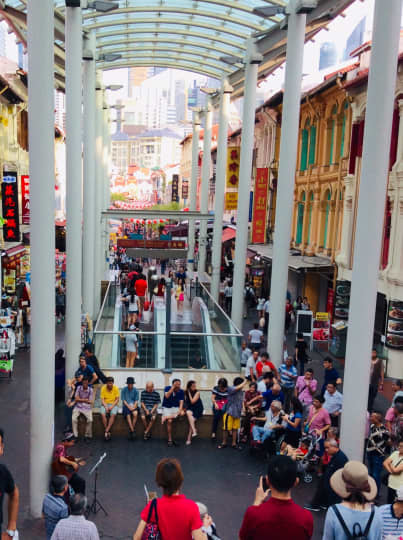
point(251, 406)
point(295, 453)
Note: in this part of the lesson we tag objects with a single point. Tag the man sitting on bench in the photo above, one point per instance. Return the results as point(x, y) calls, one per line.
point(109, 399)
point(172, 406)
point(150, 399)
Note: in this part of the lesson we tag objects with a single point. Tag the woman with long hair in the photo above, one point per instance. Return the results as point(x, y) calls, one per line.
point(219, 397)
point(194, 409)
point(294, 423)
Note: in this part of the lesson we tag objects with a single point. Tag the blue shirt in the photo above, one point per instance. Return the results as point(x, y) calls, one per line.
point(88, 371)
point(293, 417)
point(288, 375)
point(174, 399)
point(333, 529)
point(330, 375)
point(54, 509)
point(268, 397)
point(130, 396)
point(391, 524)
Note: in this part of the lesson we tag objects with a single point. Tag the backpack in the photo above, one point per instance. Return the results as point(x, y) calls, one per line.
point(357, 533)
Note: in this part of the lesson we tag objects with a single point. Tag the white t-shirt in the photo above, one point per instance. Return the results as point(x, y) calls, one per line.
point(250, 364)
point(267, 306)
point(255, 336)
point(261, 386)
point(133, 306)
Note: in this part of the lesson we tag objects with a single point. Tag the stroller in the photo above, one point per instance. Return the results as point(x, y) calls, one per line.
point(310, 459)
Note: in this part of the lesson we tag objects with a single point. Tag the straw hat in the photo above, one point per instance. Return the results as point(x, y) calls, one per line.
point(353, 478)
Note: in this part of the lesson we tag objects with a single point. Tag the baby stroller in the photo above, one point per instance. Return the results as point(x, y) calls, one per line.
point(310, 459)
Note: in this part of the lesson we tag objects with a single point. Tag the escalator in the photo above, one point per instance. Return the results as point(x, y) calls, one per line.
point(187, 351)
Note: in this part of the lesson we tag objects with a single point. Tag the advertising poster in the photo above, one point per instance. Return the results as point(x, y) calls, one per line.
point(9, 192)
point(342, 299)
point(394, 328)
point(260, 206)
point(233, 159)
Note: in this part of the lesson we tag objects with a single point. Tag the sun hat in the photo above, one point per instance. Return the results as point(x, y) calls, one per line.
point(353, 478)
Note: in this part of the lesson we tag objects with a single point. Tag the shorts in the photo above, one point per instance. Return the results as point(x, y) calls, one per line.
point(113, 411)
point(168, 412)
point(128, 412)
point(230, 423)
point(148, 414)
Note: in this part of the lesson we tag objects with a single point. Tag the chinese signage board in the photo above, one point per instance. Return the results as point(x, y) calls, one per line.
point(9, 192)
point(231, 200)
point(185, 189)
point(233, 159)
point(25, 199)
point(260, 206)
point(342, 299)
point(156, 244)
point(175, 188)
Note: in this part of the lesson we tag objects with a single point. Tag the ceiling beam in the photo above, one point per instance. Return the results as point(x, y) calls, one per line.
point(151, 62)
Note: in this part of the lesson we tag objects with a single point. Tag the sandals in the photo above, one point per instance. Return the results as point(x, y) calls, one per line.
point(236, 447)
point(222, 446)
point(170, 443)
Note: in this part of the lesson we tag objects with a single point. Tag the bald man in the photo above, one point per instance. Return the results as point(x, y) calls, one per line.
point(150, 399)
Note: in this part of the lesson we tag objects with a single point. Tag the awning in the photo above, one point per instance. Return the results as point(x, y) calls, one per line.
point(295, 260)
point(228, 234)
point(17, 249)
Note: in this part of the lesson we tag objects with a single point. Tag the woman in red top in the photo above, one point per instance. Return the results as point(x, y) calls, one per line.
point(178, 517)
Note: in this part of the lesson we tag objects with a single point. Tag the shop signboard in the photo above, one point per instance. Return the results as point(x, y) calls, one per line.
point(394, 328)
point(25, 203)
point(185, 188)
point(175, 188)
point(321, 327)
point(342, 299)
point(330, 303)
point(9, 192)
point(260, 206)
point(152, 244)
point(231, 200)
point(233, 160)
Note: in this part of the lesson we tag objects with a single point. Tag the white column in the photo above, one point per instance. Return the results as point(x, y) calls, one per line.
point(286, 178)
point(106, 191)
point(42, 229)
point(98, 193)
point(89, 179)
point(253, 58)
point(205, 179)
point(193, 188)
point(343, 258)
point(368, 238)
point(221, 172)
point(73, 187)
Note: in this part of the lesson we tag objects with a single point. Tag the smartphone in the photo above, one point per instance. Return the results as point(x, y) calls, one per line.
point(264, 484)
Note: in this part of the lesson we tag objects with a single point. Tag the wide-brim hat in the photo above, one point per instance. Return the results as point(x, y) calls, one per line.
point(353, 478)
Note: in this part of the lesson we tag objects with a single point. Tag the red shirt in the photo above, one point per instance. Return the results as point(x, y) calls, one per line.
point(177, 517)
point(260, 365)
point(141, 287)
point(276, 519)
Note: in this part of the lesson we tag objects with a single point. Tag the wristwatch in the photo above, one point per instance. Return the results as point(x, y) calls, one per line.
point(12, 534)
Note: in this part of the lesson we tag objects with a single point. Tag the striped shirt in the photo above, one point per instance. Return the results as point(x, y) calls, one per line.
point(392, 526)
point(54, 509)
point(288, 375)
point(75, 528)
point(150, 399)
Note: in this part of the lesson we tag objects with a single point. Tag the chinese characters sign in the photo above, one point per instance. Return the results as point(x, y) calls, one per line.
point(152, 244)
point(185, 188)
point(9, 191)
point(233, 158)
point(25, 198)
point(175, 188)
point(260, 206)
point(231, 200)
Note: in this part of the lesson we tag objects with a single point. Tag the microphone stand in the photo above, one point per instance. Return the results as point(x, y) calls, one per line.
point(96, 506)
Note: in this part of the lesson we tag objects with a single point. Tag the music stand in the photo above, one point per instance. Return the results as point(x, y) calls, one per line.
point(96, 506)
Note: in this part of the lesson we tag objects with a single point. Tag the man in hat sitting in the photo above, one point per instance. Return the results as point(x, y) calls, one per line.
point(130, 398)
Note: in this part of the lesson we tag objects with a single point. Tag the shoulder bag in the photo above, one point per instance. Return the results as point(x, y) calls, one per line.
point(151, 531)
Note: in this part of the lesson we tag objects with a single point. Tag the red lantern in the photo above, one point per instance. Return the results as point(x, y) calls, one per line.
point(131, 220)
point(155, 222)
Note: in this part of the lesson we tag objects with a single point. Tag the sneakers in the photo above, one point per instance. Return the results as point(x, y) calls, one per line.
point(312, 507)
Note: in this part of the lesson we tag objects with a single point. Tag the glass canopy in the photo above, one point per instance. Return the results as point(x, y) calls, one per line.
point(193, 35)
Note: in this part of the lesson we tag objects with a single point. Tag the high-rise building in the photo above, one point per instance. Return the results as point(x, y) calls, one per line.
point(327, 55)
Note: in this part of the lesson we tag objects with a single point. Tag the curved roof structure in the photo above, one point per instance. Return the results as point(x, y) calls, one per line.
point(193, 35)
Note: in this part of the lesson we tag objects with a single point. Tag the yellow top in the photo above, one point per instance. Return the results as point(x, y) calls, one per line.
point(396, 480)
point(109, 396)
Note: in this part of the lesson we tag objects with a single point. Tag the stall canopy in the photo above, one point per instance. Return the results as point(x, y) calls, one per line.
point(228, 234)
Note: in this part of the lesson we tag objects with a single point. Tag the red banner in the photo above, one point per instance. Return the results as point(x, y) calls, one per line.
point(156, 244)
point(25, 199)
point(260, 206)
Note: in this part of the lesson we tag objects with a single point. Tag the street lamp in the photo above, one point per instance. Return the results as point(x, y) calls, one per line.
point(103, 6)
point(268, 11)
point(114, 87)
point(109, 57)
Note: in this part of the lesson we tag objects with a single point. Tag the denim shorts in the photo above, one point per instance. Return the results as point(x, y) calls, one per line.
point(127, 412)
point(113, 411)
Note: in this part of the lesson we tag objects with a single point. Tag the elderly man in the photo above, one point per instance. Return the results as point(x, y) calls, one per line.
point(333, 403)
point(76, 526)
point(150, 399)
point(109, 399)
point(275, 393)
point(273, 423)
point(83, 405)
